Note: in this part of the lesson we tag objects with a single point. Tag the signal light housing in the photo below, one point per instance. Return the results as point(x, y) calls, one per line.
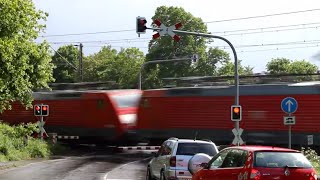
point(141, 25)
point(37, 110)
point(45, 110)
point(236, 113)
point(41, 110)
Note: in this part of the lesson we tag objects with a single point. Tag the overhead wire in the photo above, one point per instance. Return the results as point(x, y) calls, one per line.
point(208, 22)
point(63, 58)
point(262, 30)
point(88, 33)
point(262, 16)
point(317, 41)
point(275, 49)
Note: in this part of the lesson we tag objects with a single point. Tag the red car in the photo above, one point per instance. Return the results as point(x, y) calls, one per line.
point(258, 163)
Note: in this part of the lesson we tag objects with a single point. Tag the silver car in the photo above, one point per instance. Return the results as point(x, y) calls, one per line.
point(171, 161)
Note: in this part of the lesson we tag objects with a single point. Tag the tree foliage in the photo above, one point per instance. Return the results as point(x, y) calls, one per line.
point(110, 65)
point(66, 61)
point(283, 66)
point(165, 48)
point(24, 65)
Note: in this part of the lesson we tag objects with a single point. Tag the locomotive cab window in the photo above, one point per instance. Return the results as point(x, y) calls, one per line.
point(124, 101)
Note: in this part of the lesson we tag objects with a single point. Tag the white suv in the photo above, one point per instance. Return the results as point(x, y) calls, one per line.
point(171, 161)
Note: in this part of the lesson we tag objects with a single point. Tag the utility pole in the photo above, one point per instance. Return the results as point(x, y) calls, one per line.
point(81, 64)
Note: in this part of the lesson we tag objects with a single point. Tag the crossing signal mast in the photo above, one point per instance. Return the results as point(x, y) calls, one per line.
point(41, 110)
point(163, 30)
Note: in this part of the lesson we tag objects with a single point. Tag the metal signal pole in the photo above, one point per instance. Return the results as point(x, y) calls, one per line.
point(236, 73)
point(81, 64)
point(164, 30)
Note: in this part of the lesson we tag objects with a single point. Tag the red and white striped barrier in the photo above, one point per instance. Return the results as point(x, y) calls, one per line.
point(140, 148)
point(68, 137)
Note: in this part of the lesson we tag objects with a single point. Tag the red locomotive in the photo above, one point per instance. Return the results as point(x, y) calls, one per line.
point(95, 116)
point(205, 112)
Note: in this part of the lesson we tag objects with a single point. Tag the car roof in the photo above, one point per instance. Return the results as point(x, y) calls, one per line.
point(191, 141)
point(262, 148)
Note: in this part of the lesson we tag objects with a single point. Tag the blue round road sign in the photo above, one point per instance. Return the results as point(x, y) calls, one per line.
point(289, 105)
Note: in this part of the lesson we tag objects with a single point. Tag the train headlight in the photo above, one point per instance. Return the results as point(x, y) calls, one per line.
point(129, 119)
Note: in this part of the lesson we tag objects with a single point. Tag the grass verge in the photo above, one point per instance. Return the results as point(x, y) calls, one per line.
point(17, 143)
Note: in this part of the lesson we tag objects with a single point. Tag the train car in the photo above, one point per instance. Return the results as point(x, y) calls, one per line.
point(204, 112)
point(94, 116)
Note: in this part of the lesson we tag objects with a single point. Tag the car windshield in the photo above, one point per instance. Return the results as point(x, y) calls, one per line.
point(281, 159)
point(194, 148)
point(128, 100)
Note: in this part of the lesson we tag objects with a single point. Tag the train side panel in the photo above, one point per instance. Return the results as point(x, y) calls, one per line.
point(191, 115)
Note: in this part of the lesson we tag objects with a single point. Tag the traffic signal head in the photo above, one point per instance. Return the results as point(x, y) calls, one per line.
point(41, 110)
point(236, 113)
point(141, 25)
point(37, 110)
point(45, 110)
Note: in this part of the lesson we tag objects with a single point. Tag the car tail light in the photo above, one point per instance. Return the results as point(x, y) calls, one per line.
point(313, 175)
point(255, 174)
point(173, 161)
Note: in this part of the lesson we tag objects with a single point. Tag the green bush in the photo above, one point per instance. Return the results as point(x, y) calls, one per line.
point(13, 147)
point(313, 157)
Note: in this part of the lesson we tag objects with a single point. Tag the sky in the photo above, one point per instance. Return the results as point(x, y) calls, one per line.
point(295, 36)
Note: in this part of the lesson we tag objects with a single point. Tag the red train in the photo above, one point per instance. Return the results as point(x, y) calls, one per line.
point(95, 116)
point(205, 112)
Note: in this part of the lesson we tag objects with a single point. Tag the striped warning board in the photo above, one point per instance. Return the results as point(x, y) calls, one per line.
point(68, 137)
point(139, 148)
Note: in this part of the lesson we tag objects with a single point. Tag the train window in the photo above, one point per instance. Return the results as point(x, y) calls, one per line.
point(128, 100)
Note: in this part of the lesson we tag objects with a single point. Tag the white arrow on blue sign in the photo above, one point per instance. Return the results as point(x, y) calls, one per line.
point(289, 105)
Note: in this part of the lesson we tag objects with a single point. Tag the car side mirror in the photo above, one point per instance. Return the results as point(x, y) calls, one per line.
point(204, 165)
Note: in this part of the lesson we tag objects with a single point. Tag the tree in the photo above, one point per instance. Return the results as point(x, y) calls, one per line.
point(283, 65)
point(302, 67)
point(227, 69)
point(278, 66)
point(109, 65)
point(166, 48)
point(24, 65)
point(208, 65)
point(66, 61)
point(129, 61)
point(98, 64)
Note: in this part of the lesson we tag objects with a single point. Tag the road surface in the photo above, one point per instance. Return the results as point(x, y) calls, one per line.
point(93, 166)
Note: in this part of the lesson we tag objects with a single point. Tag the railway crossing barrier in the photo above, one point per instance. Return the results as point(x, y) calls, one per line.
point(138, 147)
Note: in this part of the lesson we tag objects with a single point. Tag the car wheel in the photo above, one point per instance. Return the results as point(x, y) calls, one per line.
point(149, 175)
point(162, 177)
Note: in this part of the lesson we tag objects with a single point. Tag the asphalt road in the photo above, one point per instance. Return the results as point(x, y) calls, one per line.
point(93, 166)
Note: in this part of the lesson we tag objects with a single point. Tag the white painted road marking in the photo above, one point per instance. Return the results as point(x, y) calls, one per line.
point(119, 167)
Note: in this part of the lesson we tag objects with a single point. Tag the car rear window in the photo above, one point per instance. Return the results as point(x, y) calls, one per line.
point(281, 159)
point(194, 148)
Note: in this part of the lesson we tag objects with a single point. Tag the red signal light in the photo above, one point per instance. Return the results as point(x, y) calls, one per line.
point(37, 108)
point(44, 108)
point(236, 110)
point(142, 21)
